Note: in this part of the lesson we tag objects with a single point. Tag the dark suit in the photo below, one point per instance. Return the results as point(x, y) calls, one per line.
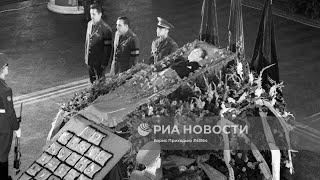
point(183, 67)
point(127, 52)
point(161, 48)
point(8, 123)
point(98, 48)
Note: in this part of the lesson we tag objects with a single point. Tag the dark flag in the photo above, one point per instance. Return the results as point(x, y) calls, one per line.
point(265, 48)
point(209, 23)
point(235, 29)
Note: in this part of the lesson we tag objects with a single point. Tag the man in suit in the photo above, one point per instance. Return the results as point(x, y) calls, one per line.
point(8, 119)
point(98, 45)
point(126, 47)
point(163, 45)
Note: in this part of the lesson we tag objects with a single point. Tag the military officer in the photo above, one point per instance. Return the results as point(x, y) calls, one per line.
point(126, 47)
point(148, 155)
point(98, 45)
point(163, 45)
point(8, 119)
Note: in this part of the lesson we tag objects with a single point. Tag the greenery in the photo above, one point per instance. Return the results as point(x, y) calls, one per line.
point(221, 91)
point(309, 8)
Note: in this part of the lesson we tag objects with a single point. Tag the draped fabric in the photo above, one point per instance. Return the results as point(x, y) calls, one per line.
point(209, 23)
point(235, 29)
point(265, 47)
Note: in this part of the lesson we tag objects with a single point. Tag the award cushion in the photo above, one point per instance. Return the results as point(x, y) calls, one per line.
point(52, 164)
point(43, 175)
point(54, 149)
point(87, 132)
point(44, 159)
point(65, 137)
point(82, 164)
point(34, 169)
point(64, 153)
point(73, 159)
point(92, 169)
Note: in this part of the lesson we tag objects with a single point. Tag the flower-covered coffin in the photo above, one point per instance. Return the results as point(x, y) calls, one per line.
point(147, 84)
point(222, 93)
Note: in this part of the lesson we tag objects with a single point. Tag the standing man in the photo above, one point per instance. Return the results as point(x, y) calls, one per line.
point(98, 45)
point(8, 119)
point(126, 47)
point(163, 45)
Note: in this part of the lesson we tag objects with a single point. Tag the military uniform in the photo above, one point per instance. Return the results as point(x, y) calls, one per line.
point(8, 123)
point(127, 52)
point(183, 67)
point(98, 48)
point(162, 47)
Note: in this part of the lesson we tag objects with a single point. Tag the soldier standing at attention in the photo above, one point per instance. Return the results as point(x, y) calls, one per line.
point(8, 119)
point(163, 45)
point(126, 47)
point(98, 45)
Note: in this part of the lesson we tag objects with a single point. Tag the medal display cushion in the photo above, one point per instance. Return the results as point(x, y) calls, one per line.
point(103, 157)
point(34, 169)
point(92, 169)
point(43, 175)
point(44, 159)
point(73, 159)
point(64, 153)
point(73, 143)
point(82, 164)
point(71, 175)
point(83, 147)
point(53, 164)
point(93, 152)
point(62, 170)
point(83, 177)
point(25, 177)
point(65, 137)
point(53, 177)
point(54, 148)
point(87, 132)
point(96, 138)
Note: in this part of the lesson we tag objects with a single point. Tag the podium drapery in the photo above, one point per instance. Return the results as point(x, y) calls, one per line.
point(235, 29)
point(209, 23)
point(265, 47)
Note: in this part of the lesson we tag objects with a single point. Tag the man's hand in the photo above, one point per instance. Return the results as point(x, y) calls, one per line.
point(18, 132)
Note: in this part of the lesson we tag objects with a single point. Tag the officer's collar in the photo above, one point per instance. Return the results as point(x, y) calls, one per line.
point(127, 33)
point(99, 22)
point(3, 81)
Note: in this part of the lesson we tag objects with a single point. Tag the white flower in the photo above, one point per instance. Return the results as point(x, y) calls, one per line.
point(150, 110)
point(231, 100)
point(273, 91)
point(242, 97)
point(191, 106)
point(240, 68)
point(258, 92)
point(174, 103)
point(273, 101)
point(251, 78)
point(200, 104)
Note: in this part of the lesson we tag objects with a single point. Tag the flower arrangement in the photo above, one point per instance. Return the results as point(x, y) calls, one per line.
point(224, 91)
point(231, 96)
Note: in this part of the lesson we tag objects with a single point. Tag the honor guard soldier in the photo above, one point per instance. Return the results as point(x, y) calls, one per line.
point(148, 155)
point(126, 47)
point(8, 119)
point(163, 45)
point(98, 45)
